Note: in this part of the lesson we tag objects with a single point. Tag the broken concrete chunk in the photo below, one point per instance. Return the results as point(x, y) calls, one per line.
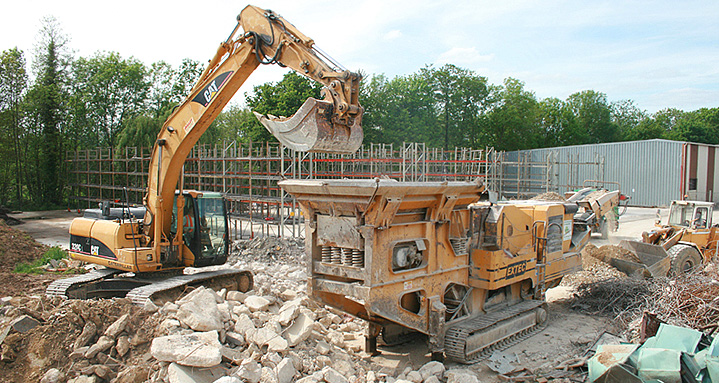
point(288, 295)
point(102, 344)
point(118, 326)
point(53, 375)
point(231, 355)
point(461, 376)
point(200, 316)
point(331, 375)
point(278, 344)
point(182, 374)
point(241, 309)
point(235, 338)
point(88, 332)
point(133, 374)
point(228, 379)
point(200, 349)
point(150, 306)
point(288, 313)
point(256, 303)
point(123, 345)
point(191, 295)
point(432, 368)
point(300, 330)
point(336, 338)
point(102, 371)
point(243, 325)
point(250, 371)
point(323, 348)
point(415, 377)
point(285, 371)
point(169, 308)
point(236, 296)
point(168, 325)
point(225, 311)
point(268, 375)
point(83, 379)
point(263, 335)
point(350, 327)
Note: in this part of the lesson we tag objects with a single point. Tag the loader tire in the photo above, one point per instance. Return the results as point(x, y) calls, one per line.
point(684, 259)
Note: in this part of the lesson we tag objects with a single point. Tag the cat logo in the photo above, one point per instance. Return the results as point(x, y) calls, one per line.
point(208, 93)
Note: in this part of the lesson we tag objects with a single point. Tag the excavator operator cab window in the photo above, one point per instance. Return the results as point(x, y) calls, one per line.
point(205, 228)
point(189, 221)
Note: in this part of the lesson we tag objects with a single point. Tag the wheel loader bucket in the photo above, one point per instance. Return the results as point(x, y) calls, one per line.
point(652, 260)
point(311, 129)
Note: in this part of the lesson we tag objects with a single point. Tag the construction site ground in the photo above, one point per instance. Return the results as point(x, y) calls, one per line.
point(569, 332)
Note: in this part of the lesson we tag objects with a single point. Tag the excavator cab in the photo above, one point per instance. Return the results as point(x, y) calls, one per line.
point(204, 227)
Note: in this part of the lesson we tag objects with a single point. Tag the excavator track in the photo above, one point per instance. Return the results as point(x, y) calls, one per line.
point(106, 283)
point(60, 287)
point(475, 339)
point(221, 278)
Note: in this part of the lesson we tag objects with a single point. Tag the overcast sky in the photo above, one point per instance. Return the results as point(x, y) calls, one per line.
point(659, 54)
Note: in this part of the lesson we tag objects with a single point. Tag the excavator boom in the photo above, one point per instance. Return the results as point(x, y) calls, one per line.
point(330, 125)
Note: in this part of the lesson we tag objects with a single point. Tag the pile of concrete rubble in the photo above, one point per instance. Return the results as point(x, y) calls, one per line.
point(273, 333)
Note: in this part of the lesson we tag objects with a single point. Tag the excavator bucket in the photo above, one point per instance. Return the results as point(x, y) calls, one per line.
point(311, 129)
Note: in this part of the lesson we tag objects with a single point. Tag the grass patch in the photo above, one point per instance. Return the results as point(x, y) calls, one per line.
point(36, 267)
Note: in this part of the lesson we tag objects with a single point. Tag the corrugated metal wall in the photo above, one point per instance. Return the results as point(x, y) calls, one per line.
point(649, 171)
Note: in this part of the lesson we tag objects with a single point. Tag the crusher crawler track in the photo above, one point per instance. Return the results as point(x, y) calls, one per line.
point(474, 339)
point(106, 283)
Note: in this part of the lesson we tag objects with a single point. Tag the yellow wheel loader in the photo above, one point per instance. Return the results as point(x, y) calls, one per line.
point(688, 240)
point(430, 258)
point(180, 228)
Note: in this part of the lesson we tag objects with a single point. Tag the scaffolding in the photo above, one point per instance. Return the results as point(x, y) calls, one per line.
point(522, 175)
point(247, 175)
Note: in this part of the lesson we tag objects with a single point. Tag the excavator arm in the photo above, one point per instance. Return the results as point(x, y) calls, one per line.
point(329, 125)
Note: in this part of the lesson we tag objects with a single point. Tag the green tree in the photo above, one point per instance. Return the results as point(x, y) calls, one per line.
point(399, 110)
point(460, 96)
point(556, 122)
point(661, 124)
point(13, 85)
point(233, 124)
point(515, 119)
point(280, 99)
point(49, 110)
point(107, 91)
point(627, 117)
point(698, 126)
point(593, 117)
point(168, 87)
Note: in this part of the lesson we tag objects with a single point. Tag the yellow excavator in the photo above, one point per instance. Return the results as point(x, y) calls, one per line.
point(145, 250)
